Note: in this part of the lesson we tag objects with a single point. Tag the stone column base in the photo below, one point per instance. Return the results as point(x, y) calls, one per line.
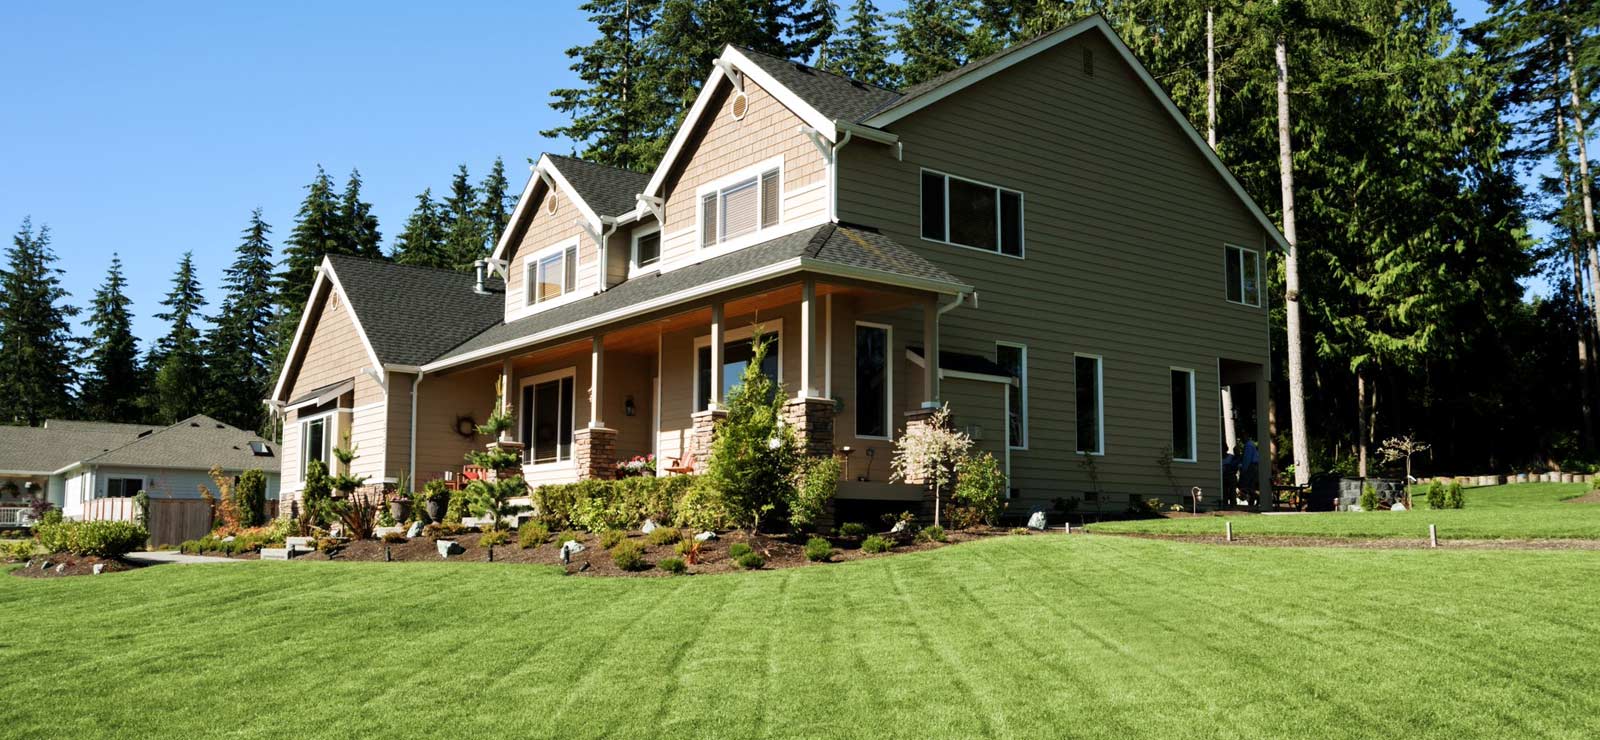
point(812, 420)
point(705, 431)
point(594, 449)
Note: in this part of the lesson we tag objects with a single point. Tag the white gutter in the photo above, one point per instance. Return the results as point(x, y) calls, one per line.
point(411, 458)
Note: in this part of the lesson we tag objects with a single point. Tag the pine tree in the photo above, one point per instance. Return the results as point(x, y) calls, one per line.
point(932, 38)
point(358, 228)
point(618, 115)
point(421, 242)
point(317, 233)
point(113, 382)
point(180, 372)
point(36, 362)
point(497, 203)
point(861, 51)
point(239, 345)
point(463, 225)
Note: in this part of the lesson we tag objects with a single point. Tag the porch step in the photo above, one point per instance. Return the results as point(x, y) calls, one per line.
point(275, 553)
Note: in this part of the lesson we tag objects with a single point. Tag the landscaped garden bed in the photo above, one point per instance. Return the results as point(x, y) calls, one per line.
point(60, 565)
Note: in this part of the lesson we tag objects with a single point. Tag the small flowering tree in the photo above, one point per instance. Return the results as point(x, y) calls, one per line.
point(1402, 448)
point(930, 453)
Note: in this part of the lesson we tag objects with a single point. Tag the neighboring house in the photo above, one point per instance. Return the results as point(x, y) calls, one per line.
point(74, 462)
point(1044, 223)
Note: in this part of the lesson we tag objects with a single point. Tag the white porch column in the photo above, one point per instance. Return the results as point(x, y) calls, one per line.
point(597, 358)
point(808, 339)
point(930, 353)
point(714, 401)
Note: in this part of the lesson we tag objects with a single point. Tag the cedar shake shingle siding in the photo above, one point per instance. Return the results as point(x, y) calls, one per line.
point(1125, 223)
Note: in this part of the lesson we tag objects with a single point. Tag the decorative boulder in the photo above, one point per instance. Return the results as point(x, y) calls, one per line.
point(649, 526)
point(572, 547)
point(414, 530)
point(1036, 520)
point(447, 547)
point(99, 568)
point(705, 536)
point(1398, 507)
point(898, 527)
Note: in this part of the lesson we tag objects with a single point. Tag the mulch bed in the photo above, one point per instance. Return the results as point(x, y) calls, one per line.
point(780, 551)
point(1386, 543)
point(1592, 497)
point(61, 566)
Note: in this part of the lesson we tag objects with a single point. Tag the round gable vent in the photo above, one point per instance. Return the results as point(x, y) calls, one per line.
point(741, 105)
point(550, 203)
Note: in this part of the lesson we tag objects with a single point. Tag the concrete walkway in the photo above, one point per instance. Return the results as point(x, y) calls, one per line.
point(169, 556)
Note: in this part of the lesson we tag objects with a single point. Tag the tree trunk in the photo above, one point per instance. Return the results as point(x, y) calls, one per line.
point(1211, 80)
point(1361, 424)
point(1583, 178)
point(1585, 302)
point(1291, 274)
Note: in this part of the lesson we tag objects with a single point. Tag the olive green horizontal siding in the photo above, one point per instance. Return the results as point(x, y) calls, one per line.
point(1125, 225)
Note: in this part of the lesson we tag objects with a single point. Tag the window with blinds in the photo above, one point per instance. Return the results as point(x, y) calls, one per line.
point(552, 275)
point(741, 208)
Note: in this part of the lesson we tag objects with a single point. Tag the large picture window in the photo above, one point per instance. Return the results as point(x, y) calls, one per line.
point(1183, 433)
point(1243, 270)
point(873, 387)
point(740, 207)
point(552, 274)
point(1090, 402)
point(972, 214)
point(1014, 358)
point(736, 356)
point(546, 418)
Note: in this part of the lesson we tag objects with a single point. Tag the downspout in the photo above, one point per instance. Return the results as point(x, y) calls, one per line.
point(608, 227)
point(411, 474)
point(833, 175)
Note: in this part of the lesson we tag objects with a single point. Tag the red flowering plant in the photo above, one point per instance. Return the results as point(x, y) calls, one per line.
point(638, 466)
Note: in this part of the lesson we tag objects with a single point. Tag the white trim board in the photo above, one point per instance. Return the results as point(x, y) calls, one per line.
point(325, 277)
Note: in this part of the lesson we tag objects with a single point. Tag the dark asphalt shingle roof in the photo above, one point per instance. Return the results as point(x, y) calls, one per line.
point(608, 190)
point(833, 95)
point(837, 244)
point(401, 306)
point(196, 443)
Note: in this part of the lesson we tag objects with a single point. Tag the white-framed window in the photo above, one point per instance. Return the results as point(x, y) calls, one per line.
point(874, 380)
point(316, 442)
point(545, 416)
point(1014, 358)
point(1089, 376)
point(973, 214)
point(123, 486)
point(646, 249)
point(741, 204)
point(550, 273)
point(738, 349)
point(1242, 268)
point(1183, 421)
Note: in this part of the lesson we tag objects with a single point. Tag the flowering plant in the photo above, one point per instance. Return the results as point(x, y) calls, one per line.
point(638, 466)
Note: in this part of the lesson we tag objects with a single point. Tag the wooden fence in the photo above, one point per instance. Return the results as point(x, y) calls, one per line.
point(172, 520)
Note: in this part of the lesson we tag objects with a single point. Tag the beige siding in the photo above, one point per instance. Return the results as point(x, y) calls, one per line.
point(440, 401)
point(546, 229)
point(397, 433)
point(334, 351)
point(678, 351)
point(1125, 224)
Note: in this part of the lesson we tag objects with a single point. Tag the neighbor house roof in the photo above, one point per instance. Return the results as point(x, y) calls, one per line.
point(45, 449)
point(400, 306)
point(608, 190)
point(829, 249)
point(197, 443)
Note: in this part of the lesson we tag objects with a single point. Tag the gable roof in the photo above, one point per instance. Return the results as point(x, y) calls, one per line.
point(832, 95)
point(196, 443)
point(59, 443)
point(828, 249)
point(608, 190)
point(399, 306)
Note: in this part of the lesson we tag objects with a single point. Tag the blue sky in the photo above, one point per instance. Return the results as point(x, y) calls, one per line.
point(153, 129)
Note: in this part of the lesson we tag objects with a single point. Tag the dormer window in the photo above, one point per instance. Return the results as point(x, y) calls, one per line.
point(550, 274)
point(744, 204)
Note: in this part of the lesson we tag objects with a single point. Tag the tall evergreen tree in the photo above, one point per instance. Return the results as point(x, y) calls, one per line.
point(113, 384)
point(317, 233)
point(463, 223)
point(933, 38)
point(180, 371)
point(617, 116)
point(861, 51)
point(36, 374)
point(239, 345)
point(421, 242)
point(497, 203)
point(358, 228)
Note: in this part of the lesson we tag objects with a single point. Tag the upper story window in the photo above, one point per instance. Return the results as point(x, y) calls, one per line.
point(1243, 269)
point(743, 204)
point(646, 246)
point(550, 274)
point(968, 213)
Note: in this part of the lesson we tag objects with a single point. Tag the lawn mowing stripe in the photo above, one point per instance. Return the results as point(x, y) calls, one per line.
point(938, 648)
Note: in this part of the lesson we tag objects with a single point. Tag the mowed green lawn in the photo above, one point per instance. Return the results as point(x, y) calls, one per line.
point(1059, 636)
point(1521, 511)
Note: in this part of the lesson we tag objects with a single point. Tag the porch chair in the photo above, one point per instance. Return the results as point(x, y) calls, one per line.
point(682, 465)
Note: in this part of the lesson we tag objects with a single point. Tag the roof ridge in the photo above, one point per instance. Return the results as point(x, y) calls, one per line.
point(602, 165)
point(392, 263)
point(175, 425)
point(846, 78)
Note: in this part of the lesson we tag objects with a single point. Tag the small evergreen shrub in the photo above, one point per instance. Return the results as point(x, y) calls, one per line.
point(1369, 498)
point(532, 534)
point(394, 538)
point(611, 538)
point(663, 536)
point(819, 481)
point(99, 539)
point(1436, 495)
point(852, 529)
point(875, 544)
point(672, 565)
point(250, 497)
point(1455, 497)
point(494, 538)
point(980, 491)
point(440, 530)
point(934, 533)
point(566, 536)
point(818, 550)
point(738, 550)
point(750, 561)
point(18, 551)
point(629, 556)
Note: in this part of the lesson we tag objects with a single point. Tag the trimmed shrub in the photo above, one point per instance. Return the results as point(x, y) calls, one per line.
point(1436, 495)
point(875, 544)
point(629, 556)
point(818, 550)
point(852, 529)
point(18, 551)
point(99, 539)
point(567, 535)
point(460, 505)
point(494, 538)
point(1455, 497)
point(934, 533)
point(394, 538)
point(611, 538)
point(980, 491)
point(819, 480)
point(1369, 498)
point(532, 534)
point(738, 550)
point(439, 530)
point(598, 505)
point(672, 565)
point(663, 536)
point(750, 561)
point(250, 497)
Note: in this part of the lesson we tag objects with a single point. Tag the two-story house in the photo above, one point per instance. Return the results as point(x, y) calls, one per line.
point(1038, 239)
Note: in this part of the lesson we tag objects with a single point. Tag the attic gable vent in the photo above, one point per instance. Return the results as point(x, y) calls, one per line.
point(740, 106)
point(1088, 62)
point(550, 202)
